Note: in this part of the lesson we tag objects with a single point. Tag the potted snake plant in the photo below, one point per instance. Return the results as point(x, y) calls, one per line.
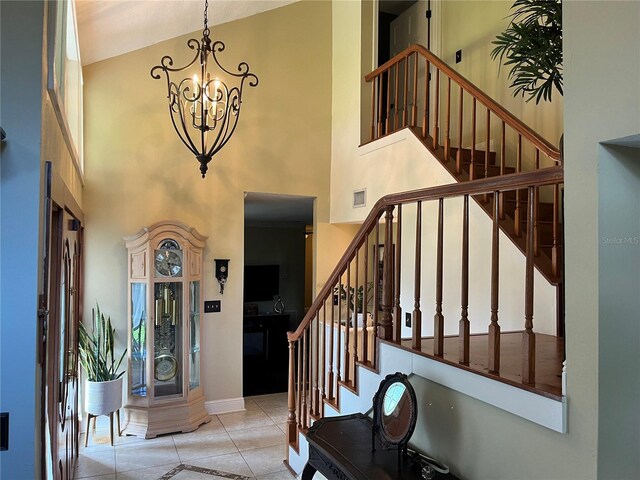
point(103, 387)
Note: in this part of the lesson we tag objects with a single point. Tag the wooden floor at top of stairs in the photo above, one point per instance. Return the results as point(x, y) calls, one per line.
point(549, 359)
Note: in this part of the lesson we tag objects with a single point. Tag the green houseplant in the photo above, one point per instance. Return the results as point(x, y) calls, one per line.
point(531, 47)
point(103, 387)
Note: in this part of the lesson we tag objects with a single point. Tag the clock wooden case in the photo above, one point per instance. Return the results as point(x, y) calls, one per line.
point(164, 388)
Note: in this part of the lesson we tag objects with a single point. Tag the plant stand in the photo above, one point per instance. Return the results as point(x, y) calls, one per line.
point(93, 417)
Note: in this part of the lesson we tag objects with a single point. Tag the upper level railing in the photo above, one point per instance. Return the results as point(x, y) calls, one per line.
point(417, 89)
point(338, 333)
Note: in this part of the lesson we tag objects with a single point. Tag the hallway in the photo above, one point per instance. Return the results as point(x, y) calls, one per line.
point(241, 445)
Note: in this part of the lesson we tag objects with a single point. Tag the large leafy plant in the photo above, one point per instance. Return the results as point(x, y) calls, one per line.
point(532, 48)
point(97, 349)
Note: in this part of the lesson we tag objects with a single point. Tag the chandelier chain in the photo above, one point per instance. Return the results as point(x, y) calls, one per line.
point(206, 17)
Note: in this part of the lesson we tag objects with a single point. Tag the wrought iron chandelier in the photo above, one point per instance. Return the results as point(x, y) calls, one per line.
point(205, 106)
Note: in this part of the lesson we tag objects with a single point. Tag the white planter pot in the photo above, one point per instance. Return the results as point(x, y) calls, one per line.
point(102, 398)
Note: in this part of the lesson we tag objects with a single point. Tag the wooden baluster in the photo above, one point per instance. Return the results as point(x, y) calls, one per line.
point(406, 92)
point(365, 337)
point(517, 220)
point(347, 355)
point(305, 410)
point(380, 123)
point(388, 119)
point(494, 327)
point(447, 137)
point(425, 119)
point(459, 152)
point(487, 150)
point(355, 315)
point(373, 109)
point(376, 295)
point(556, 219)
point(385, 327)
point(310, 355)
point(472, 167)
point(536, 232)
point(395, 99)
point(503, 150)
point(416, 332)
point(330, 378)
point(436, 108)
point(292, 430)
point(338, 342)
point(464, 326)
point(528, 337)
point(397, 309)
point(438, 318)
point(414, 110)
point(299, 382)
point(316, 373)
point(323, 370)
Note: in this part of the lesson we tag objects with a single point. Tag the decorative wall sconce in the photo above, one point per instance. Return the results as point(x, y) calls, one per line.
point(222, 272)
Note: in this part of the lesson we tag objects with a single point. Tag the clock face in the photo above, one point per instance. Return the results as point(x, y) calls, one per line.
point(168, 263)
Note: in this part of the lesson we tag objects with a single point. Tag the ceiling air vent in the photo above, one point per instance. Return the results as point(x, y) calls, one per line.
point(359, 198)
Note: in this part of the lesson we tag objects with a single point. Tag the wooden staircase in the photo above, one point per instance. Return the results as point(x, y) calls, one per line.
point(332, 343)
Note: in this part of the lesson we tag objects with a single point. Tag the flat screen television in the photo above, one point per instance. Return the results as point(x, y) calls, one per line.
point(261, 282)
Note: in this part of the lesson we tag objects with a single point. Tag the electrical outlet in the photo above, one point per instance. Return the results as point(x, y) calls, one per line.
point(212, 306)
point(458, 56)
point(407, 319)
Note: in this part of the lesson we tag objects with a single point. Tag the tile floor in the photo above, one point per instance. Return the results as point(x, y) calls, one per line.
point(240, 446)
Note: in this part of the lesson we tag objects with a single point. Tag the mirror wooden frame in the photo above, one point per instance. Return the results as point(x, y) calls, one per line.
point(378, 426)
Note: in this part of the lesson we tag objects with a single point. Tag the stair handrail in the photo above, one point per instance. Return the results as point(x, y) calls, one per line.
point(513, 181)
point(537, 140)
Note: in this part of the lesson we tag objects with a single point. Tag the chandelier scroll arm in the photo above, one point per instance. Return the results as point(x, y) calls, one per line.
point(226, 136)
point(188, 144)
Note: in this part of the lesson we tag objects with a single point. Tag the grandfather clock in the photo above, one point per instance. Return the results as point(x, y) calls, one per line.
point(164, 391)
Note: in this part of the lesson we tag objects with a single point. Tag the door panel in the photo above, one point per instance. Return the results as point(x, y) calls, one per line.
point(61, 391)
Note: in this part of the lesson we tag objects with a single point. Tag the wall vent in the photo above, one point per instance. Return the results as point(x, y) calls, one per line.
point(359, 198)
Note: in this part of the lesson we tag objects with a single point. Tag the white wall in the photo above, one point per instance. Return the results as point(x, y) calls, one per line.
point(602, 103)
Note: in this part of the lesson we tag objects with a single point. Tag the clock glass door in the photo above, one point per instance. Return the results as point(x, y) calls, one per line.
point(167, 369)
point(138, 345)
point(194, 335)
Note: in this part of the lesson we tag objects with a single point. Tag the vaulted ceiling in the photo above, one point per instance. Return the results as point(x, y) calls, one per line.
point(108, 28)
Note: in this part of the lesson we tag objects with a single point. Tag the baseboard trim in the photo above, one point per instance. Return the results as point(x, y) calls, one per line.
point(216, 407)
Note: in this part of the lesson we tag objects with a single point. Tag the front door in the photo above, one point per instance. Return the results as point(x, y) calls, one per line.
point(61, 344)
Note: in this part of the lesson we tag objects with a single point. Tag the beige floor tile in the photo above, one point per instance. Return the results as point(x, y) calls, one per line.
point(96, 461)
point(190, 447)
point(246, 419)
point(250, 404)
point(265, 460)
point(158, 451)
point(276, 413)
point(230, 463)
point(283, 475)
point(110, 476)
point(151, 473)
point(187, 475)
point(271, 400)
point(257, 437)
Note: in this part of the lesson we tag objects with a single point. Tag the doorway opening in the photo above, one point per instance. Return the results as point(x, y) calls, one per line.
point(278, 263)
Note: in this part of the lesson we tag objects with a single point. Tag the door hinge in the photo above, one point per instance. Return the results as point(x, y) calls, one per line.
point(428, 14)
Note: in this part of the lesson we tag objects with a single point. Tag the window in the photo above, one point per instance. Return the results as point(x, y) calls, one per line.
point(64, 76)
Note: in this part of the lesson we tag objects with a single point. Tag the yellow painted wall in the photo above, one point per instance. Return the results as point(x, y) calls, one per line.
point(138, 172)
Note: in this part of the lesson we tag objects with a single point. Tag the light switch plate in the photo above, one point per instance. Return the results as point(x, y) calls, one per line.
point(212, 306)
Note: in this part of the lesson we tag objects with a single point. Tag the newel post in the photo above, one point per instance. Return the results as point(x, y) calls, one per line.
point(385, 325)
point(292, 430)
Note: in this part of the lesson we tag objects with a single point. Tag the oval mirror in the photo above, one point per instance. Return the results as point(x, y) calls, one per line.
point(395, 410)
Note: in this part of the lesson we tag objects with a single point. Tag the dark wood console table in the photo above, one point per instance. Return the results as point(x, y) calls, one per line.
point(340, 449)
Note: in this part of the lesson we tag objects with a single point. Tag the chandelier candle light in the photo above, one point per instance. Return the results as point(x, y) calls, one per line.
point(204, 107)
